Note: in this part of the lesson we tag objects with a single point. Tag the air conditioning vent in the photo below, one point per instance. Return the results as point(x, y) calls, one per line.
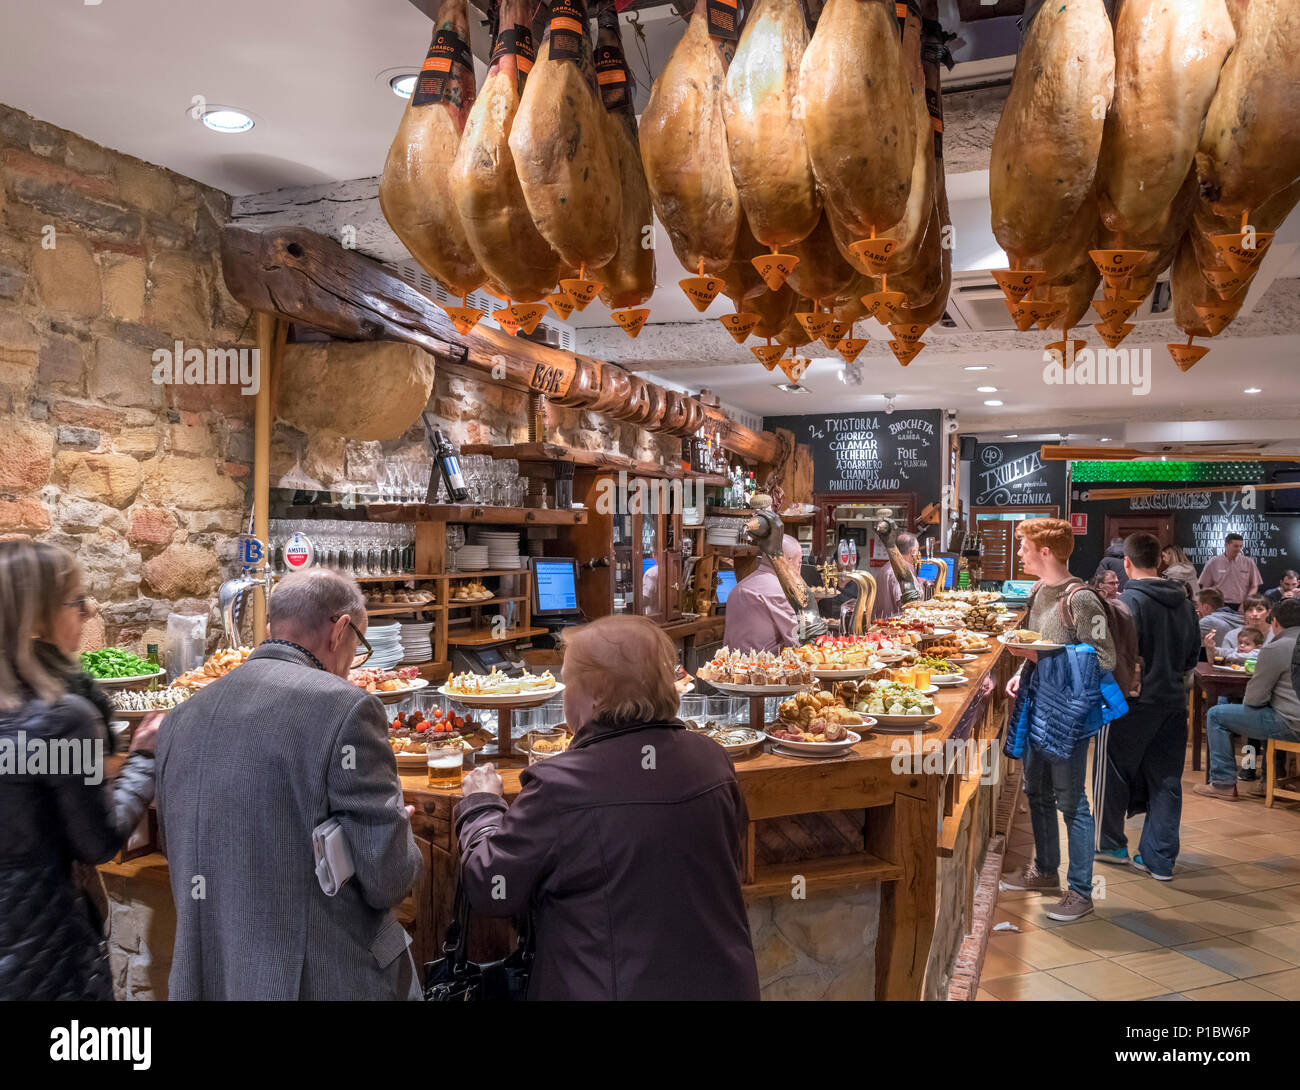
point(978, 306)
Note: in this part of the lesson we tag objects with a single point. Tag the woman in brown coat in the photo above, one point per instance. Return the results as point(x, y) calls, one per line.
point(627, 847)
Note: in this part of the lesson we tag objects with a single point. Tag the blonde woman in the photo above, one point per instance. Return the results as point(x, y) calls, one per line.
point(627, 847)
point(1175, 565)
point(61, 816)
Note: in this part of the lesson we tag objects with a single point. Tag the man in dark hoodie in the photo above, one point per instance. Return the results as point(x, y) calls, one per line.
point(1140, 756)
point(1113, 561)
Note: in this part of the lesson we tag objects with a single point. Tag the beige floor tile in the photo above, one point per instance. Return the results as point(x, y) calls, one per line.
point(1041, 949)
point(1288, 866)
point(1256, 876)
point(1266, 905)
point(1234, 958)
point(1212, 885)
point(1282, 942)
point(998, 963)
point(1172, 997)
point(1195, 859)
point(1105, 939)
point(1173, 970)
point(982, 996)
point(1153, 894)
point(1237, 848)
point(1117, 875)
point(1227, 826)
point(1218, 916)
point(1035, 986)
point(1233, 991)
point(1286, 985)
point(1163, 929)
point(1108, 980)
point(1276, 843)
point(1010, 915)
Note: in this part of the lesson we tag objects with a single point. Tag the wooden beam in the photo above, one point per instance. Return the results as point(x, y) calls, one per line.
point(271, 334)
point(308, 278)
point(1055, 453)
point(1215, 486)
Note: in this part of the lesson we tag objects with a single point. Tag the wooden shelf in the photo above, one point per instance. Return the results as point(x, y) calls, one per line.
point(487, 601)
point(376, 578)
point(730, 512)
point(384, 611)
point(733, 550)
point(547, 453)
point(486, 573)
point(444, 512)
point(482, 637)
point(822, 875)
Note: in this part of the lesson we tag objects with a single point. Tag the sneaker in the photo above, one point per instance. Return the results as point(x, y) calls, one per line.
point(1216, 791)
point(1070, 907)
point(1137, 862)
point(1247, 774)
point(1257, 789)
point(1111, 855)
point(1030, 877)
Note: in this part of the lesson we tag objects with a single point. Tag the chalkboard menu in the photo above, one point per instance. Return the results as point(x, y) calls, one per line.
point(1015, 475)
point(872, 452)
point(1201, 520)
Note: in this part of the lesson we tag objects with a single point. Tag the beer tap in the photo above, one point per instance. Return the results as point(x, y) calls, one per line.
point(767, 531)
point(256, 575)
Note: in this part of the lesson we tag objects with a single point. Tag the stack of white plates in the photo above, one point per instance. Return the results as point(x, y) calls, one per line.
point(472, 558)
point(502, 547)
point(416, 646)
point(386, 640)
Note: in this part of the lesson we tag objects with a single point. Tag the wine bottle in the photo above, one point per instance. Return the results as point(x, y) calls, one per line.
point(449, 463)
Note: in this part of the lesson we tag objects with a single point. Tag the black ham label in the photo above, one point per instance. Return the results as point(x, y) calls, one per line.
point(722, 20)
point(613, 78)
point(936, 119)
point(444, 69)
point(567, 27)
point(516, 42)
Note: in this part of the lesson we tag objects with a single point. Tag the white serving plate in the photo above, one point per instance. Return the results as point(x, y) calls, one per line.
point(903, 720)
point(945, 681)
point(533, 699)
point(961, 658)
point(129, 682)
point(1041, 645)
point(757, 690)
point(398, 695)
point(846, 675)
point(822, 749)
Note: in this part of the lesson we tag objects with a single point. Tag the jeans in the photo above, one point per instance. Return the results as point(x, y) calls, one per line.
point(1224, 720)
point(1061, 786)
point(1139, 767)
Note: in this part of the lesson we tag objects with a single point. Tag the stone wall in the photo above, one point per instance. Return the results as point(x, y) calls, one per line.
point(820, 948)
point(105, 258)
point(142, 921)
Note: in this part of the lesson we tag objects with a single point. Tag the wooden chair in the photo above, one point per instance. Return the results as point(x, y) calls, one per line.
point(1271, 790)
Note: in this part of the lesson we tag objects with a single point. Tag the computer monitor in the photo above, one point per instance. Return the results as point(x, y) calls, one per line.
point(726, 584)
point(555, 586)
point(647, 563)
point(928, 569)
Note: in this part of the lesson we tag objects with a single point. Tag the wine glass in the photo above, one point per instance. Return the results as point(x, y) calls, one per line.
point(455, 540)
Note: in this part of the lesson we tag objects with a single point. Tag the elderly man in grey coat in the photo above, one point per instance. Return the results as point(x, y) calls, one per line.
point(247, 768)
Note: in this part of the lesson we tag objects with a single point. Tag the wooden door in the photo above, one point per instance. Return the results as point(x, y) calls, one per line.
point(1000, 541)
point(1162, 526)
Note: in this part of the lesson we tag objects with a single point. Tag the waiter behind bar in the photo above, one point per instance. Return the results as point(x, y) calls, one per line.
point(1232, 573)
point(759, 615)
point(889, 596)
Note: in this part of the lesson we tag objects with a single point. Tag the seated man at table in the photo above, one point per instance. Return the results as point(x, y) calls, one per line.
point(759, 615)
point(1270, 709)
point(1215, 618)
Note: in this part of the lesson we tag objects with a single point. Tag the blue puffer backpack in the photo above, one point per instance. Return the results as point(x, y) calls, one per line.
point(1063, 701)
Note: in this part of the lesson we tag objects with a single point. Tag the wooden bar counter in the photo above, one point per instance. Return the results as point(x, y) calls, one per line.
point(852, 863)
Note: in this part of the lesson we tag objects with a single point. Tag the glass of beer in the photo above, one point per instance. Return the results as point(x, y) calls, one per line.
point(446, 762)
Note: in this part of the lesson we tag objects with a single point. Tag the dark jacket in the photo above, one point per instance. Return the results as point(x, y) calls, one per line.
point(1169, 638)
point(628, 850)
point(1113, 561)
point(247, 768)
point(52, 822)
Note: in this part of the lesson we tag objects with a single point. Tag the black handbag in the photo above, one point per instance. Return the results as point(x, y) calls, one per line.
point(454, 978)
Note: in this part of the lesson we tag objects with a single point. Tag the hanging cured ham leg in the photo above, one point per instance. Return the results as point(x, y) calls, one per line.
point(858, 120)
point(684, 149)
point(765, 141)
point(560, 142)
point(484, 183)
point(629, 277)
point(415, 192)
point(1044, 160)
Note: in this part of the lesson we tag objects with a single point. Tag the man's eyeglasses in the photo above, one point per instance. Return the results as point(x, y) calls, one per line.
point(361, 657)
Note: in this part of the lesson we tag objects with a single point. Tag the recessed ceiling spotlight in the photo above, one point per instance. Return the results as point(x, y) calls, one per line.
point(404, 85)
point(1252, 390)
point(1105, 439)
point(976, 367)
point(987, 389)
point(994, 403)
point(226, 119)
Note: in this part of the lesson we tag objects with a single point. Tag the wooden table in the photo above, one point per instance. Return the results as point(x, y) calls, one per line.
point(840, 822)
point(1208, 685)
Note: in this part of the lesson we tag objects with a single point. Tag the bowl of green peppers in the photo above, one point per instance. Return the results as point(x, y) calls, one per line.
point(117, 668)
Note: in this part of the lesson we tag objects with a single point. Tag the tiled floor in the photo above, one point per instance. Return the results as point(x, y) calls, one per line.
point(1227, 926)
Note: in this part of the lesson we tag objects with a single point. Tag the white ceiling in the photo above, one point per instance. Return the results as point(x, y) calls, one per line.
point(314, 75)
